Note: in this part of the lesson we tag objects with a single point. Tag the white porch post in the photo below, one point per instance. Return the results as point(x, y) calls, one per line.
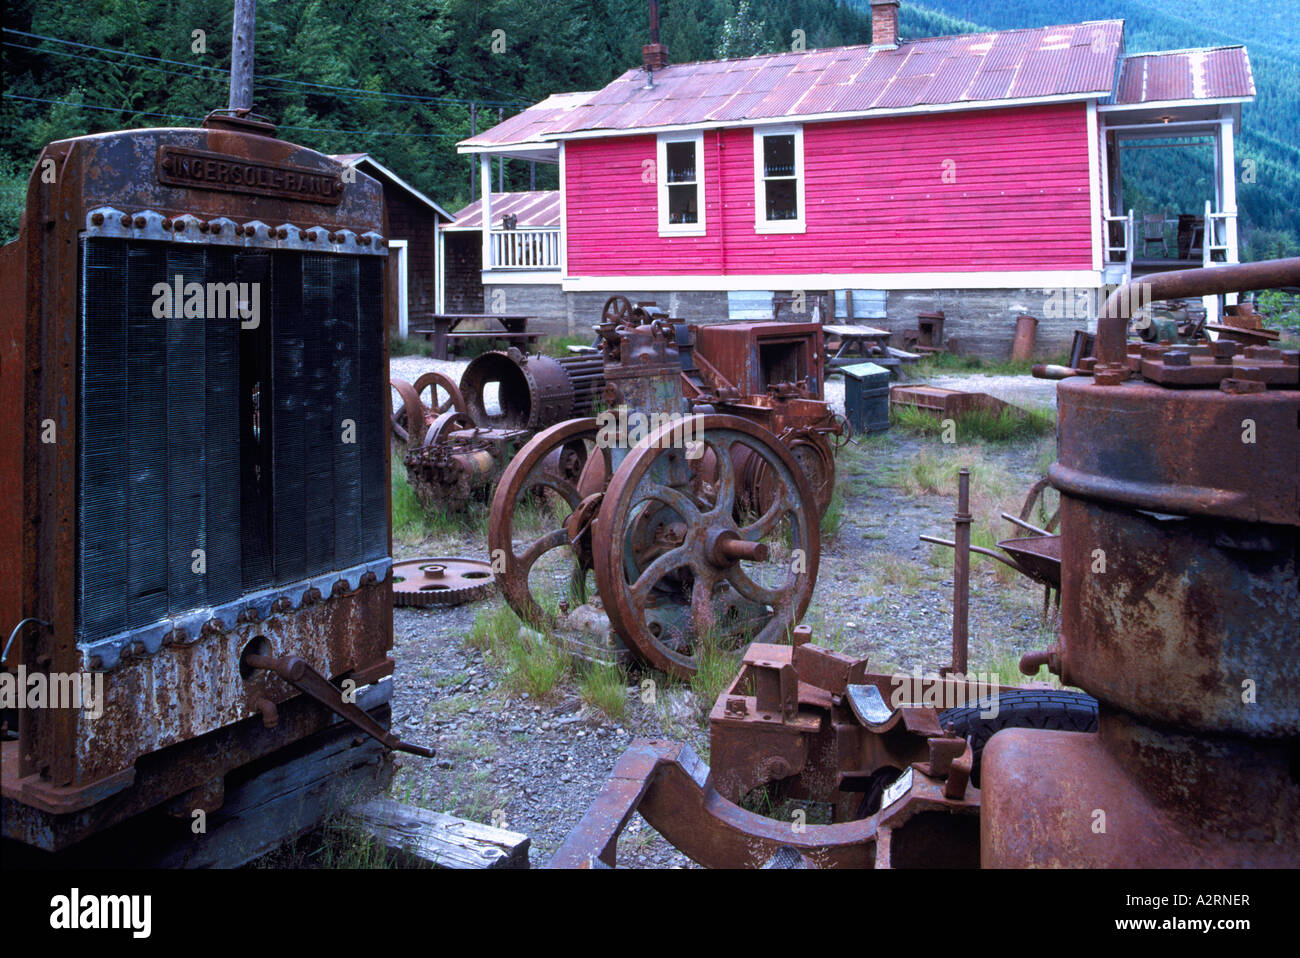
point(485, 168)
point(1228, 187)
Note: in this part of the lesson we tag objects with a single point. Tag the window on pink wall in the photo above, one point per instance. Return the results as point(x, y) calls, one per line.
point(778, 180)
point(681, 184)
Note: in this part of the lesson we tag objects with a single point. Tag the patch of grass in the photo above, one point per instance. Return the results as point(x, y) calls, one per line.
point(604, 687)
point(890, 575)
point(399, 346)
point(559, 345)
point(413, 524)
point(833, 517)
point(939, 364)
point(715, 667)
point(980, 425)
point(493, 626)
point(534, 664)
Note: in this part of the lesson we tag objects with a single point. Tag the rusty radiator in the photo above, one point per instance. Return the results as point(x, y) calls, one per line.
point(195, 351)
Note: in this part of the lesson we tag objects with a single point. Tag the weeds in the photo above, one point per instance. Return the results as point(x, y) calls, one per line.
point(1007, 425)
point(604, 687)
point(715, 667)
point(533, 663)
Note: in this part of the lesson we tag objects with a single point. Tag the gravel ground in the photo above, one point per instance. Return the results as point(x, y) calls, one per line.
point(537, 765)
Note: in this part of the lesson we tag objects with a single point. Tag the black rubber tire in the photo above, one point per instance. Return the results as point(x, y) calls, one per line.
point(1022, 708)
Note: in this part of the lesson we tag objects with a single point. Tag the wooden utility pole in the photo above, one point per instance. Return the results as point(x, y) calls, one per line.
point(241, 55)
point(473, 131)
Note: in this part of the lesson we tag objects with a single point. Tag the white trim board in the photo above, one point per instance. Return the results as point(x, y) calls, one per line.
point(1019, 279)
point(521, 277)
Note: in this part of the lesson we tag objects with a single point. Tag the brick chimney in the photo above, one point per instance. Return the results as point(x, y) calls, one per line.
point(884, 24)
point(654, 55)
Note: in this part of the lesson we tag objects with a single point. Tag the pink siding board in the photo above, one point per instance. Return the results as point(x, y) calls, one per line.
point(875, 195)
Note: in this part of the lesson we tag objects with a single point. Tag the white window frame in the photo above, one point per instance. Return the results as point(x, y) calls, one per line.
point(761, 223)
point(680, 229)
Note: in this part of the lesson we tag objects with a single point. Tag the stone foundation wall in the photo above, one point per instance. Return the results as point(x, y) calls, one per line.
point(981, 321)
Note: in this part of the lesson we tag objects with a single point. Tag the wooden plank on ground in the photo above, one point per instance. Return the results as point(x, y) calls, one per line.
point(442, 840)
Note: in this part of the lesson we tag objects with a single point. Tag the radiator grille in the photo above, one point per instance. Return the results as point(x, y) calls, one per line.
point(201, 441)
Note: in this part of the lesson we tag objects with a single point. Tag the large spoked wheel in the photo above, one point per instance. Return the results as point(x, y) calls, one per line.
point(681, 558)
point(539, 530)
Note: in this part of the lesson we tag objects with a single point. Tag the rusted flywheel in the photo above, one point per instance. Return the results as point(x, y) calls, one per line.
point(414, 410)
point(444, 580)
point(815, 456)
point(618, 310)
point(679, 557)
point(537, 499)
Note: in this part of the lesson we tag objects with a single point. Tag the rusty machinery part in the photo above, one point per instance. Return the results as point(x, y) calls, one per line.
point(441, 580)
point(298, 673)
point(810, 449)
point(618, 311)
point(543, 479)
point(457, 461)
point(1199, 603)
point(842, 431)
point(806, 724)
point(414, 410)
point(531, 392)
point(676, 549)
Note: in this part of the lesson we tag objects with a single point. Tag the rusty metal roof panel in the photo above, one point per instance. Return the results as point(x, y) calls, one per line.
point(903, 91)
point(1228, 73)
point(539, 208)
point(1207, 74)
point(1070, 60)
point(1040, 73)
point(951, 80)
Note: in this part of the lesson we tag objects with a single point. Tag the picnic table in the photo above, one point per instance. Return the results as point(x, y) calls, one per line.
point(856, 342)
point(442, 329)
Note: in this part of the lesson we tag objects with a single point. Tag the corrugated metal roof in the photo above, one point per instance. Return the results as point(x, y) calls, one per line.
point(537, 208)
point(976, 67)
point(1208, 74)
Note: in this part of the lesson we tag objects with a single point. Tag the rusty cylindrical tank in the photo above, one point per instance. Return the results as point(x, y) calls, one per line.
point(1022, 348)
point(532, 392)
point(1179, 474)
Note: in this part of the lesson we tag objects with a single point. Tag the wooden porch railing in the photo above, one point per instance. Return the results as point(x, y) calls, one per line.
point(529, 248)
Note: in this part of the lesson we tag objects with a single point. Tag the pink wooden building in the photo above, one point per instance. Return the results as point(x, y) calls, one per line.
point(978, 174)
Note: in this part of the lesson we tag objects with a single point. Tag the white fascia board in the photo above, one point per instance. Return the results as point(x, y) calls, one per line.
point(848, 115)
point(1017, 279)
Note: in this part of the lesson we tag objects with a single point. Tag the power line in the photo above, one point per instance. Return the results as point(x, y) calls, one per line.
point(269, 79)
point(176, 116)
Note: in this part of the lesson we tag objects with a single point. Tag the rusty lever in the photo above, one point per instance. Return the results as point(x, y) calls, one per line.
point(304, 678)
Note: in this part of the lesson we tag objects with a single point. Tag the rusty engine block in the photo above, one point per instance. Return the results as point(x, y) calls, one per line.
point(196, 509)
point(1179, 476)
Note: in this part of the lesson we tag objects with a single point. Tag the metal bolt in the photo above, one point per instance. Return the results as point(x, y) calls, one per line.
point(97, 219)
point(166, 224)
point(126, 220)
point(1178, 357)
point(139, 222)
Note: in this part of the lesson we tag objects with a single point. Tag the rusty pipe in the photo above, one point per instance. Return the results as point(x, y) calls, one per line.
point(961, 574)
point(1112, 323)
